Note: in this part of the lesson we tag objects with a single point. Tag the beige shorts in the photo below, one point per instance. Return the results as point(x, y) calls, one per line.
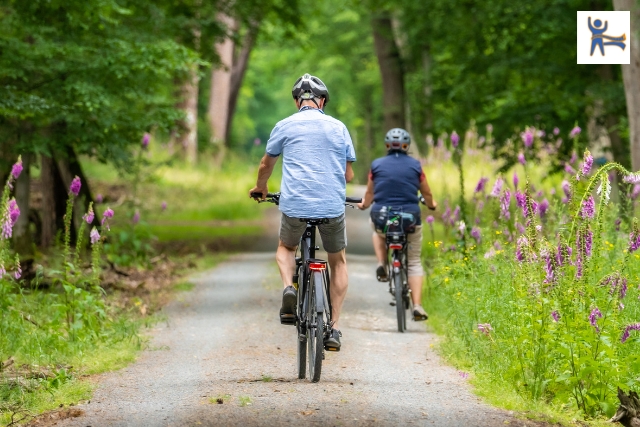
point(414, 248)
point(333, 234)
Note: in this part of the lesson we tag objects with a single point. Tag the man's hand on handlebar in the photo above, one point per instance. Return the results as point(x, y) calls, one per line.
point(424, 202)
point(262, 191)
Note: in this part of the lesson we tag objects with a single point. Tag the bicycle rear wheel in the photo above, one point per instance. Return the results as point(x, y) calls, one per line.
point(315, 331)
point(400, 310)
point(301, 338)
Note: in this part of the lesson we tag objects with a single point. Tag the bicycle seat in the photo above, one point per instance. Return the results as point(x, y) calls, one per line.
point(396, 237)
point(315, 221)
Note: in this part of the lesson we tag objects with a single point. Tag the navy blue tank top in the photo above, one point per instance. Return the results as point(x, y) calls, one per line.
point(396, 181)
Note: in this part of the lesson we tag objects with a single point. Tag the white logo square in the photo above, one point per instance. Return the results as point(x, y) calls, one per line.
point(604, 37)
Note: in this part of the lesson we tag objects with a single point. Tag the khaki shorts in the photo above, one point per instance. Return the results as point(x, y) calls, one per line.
point(333, 234)
point(414, 248)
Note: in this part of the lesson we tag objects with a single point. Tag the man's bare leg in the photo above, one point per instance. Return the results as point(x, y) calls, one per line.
point(286, 259)
point(415, 284)
point(339, 283)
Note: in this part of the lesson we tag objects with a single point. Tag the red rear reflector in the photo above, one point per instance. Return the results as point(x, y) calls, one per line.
point(396, 263)
point(395, 246)
point(317, 266)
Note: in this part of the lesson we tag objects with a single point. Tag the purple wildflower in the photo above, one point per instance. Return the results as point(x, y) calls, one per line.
point(455, 139)
point(163, 206)
point(628, 329)
point(593, 318)
point(588, 162)
point(6, 229)
point(463, 375)
point(430, 219)
point(521, 158)
point(94, 236)
point(446, 215)
point(18, 273)
point(516, 180)
point(105, 216)
point(573, 158)
point(520, 228)
point(543, 207)
point(475, 233)
point(74, 188)
point(632, 178)
point(588, 242)
point(549, 267)
point(554, 314)
point(588, 208)
point(635, 192)
point(634, 241)
point(481, 184)
point(617, 223)
point(89, 216)
point(16, 169)
point(99, 198)
point(497, 245)
point(568, 169)
point(575, 132)
point(556, 130)
point(520, 244)
point(527, 138)
point(566, 187)
point(497, 188)
point(485, 328)
point(136, 217)
point(145, 140)
point(14, 211)
point(455, 215)
point(505, 202)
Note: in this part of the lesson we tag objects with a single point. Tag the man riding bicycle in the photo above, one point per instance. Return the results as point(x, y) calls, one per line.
point(394, 182)
point(317, 153)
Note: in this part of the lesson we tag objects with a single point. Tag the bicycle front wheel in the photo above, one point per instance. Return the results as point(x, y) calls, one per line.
point(315, 331)
point(401, 312)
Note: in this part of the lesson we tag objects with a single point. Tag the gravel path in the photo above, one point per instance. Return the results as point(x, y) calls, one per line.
point(224, 341)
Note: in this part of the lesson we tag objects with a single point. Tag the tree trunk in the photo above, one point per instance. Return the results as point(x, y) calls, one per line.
point(237, 74)
point(188, 138)
point(48, 181)
point(220, 91)
point(22, 238)
point(391, 71)
point(631, 78)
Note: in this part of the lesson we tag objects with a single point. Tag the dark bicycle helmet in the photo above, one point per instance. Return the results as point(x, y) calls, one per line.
point(310, 87)
point(397, 139)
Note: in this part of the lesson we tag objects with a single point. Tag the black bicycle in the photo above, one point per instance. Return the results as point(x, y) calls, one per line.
point(313, 311)
point(396, 242)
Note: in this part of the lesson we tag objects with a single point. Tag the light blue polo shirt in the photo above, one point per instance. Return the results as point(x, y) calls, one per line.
point(315, 150)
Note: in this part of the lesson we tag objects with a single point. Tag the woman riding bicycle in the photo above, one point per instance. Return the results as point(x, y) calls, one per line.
point(394, 182)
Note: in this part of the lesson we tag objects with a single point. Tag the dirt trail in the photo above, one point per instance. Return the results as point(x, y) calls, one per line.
point(224, 341)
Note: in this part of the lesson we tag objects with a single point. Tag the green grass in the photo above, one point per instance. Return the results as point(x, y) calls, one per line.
point(171, 233)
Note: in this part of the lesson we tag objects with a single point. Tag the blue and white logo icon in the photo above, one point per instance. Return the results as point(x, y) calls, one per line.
point(599, 39)
point(603, 37)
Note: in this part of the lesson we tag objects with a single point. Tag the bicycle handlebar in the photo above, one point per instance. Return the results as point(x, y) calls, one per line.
point(275, 198)
point(424, 202)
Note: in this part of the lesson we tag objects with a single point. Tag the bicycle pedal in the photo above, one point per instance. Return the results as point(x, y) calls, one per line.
point(288, 319)
point(331, 348)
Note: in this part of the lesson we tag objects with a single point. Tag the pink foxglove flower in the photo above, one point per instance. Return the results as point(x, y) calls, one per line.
point(163, 206)
point(588, 163)
point(455, 139)
point(554, 314)
point(75, 186)
point(136, 217)
point(575, 132)
point(521, 159)
point(430, 219)
point(481, 184)
point(89, 216)
point(627, 331)
point(145, 140)
point(497, 188)
point(556, 130)
point(593, 318)
point(527, 138)
point(588, 208)
point(94, 236)
point(16, 169)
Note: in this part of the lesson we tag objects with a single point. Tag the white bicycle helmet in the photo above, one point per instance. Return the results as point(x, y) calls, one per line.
point(310, 87)
point(397, 139)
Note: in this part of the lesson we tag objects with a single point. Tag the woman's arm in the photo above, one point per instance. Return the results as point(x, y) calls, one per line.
point(426, 193)
point(368, 196)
